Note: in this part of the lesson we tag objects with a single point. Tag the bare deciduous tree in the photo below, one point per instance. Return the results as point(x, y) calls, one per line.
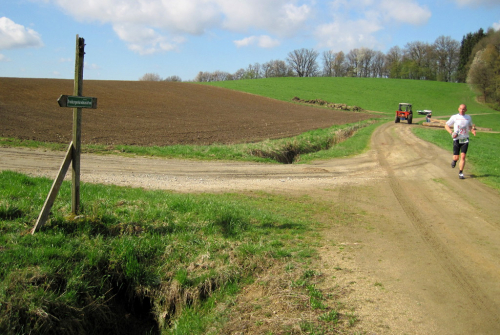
point(352, 60)
point(253, 71)
point(334, 64)
point(202, 77)
point(150, 77)
point(221, 76)
point(339, 65)
point(276, 68)
point(206, 77)
point(303, 62)
point(393, 62)
point(328, 61)
point(447, 57)
point(419, 59)
point(173, 79)
point(378, 65)
point(365, 58)
point(240, 74)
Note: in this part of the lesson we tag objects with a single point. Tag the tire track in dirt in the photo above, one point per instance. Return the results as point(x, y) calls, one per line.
point(384, 136)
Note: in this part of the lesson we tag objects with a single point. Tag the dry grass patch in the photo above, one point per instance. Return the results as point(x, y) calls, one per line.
point(286, 299)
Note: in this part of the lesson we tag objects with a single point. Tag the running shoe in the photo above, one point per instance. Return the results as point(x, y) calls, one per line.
point(453, 164)
point(461, 176)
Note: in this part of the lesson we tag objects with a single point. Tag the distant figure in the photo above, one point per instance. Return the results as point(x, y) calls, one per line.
point(428, 117)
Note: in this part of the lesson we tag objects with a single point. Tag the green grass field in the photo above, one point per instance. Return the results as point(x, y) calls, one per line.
point(374, 94)
point(166, 262)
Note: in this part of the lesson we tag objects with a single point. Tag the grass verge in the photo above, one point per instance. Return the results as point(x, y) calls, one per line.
point(139, 261)
point(286, 150)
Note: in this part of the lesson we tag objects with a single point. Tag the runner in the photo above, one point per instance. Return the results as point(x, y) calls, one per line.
point(461, 125)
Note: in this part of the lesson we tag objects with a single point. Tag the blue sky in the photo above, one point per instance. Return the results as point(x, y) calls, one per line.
point(127, 38)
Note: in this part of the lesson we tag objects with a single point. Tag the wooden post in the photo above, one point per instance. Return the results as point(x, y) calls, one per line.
point(74, 150)
point(77, 127)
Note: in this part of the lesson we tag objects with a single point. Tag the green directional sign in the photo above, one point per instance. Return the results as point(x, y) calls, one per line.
point(77, 102)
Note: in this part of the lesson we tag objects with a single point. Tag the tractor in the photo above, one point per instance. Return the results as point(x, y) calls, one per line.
point(404, 113)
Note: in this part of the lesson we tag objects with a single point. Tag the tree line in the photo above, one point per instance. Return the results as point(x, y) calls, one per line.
point(476, 60)
point(417, 60)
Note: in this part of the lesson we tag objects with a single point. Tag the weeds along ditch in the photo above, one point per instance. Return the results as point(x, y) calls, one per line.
point(285, 151)
point(134, 260)
point(289, 151)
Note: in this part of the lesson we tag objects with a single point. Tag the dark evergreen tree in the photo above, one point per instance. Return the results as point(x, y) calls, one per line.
point(468, 43)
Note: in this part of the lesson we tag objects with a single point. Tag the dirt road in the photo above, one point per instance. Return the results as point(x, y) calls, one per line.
point(424, 257)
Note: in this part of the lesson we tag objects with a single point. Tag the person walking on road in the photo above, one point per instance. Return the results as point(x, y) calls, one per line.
point(462, 124)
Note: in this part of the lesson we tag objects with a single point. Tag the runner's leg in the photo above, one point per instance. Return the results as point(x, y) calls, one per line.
point(461, 165)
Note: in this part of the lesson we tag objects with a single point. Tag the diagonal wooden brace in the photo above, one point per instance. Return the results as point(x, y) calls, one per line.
point(44, 214)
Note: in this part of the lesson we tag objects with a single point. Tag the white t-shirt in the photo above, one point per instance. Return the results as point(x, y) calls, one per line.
point(461, 125)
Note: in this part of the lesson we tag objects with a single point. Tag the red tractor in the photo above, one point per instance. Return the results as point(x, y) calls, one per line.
point(404, 113)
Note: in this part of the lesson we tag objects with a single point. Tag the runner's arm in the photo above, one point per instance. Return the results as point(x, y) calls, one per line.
point(448, 129)
point(473, 129)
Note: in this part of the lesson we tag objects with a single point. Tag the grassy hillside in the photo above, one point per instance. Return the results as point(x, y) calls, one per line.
point(369, 93)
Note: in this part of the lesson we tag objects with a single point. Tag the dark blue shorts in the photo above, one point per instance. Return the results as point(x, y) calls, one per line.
point(460, 147)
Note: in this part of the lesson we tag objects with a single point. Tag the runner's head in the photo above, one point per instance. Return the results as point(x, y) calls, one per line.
point(462, 109)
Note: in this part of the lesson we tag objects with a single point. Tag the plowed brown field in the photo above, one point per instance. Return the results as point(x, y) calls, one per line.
point(155, 113)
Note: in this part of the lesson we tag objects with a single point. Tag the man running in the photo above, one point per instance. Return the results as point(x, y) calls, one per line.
point(462, 124)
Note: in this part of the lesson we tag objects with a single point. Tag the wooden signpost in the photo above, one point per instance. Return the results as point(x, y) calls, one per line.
point(77, 102)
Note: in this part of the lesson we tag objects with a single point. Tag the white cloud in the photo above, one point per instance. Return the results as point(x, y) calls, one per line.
point(279, 17)
point(263, 41)
point(246, 41)
point(161, 25)
point(355, 23)
point(496, 26)
point(267, 42)
point(151, 26)
point(13, 35)
point(347, 35)
point(187, 16)
point(3, 58)
point(145, 40)
point(404, 11)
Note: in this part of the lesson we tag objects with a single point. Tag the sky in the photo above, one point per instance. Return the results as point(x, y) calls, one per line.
point(125, 39)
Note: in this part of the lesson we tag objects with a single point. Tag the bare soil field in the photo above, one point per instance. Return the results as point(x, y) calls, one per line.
point(155, 113)
point(423, 257)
